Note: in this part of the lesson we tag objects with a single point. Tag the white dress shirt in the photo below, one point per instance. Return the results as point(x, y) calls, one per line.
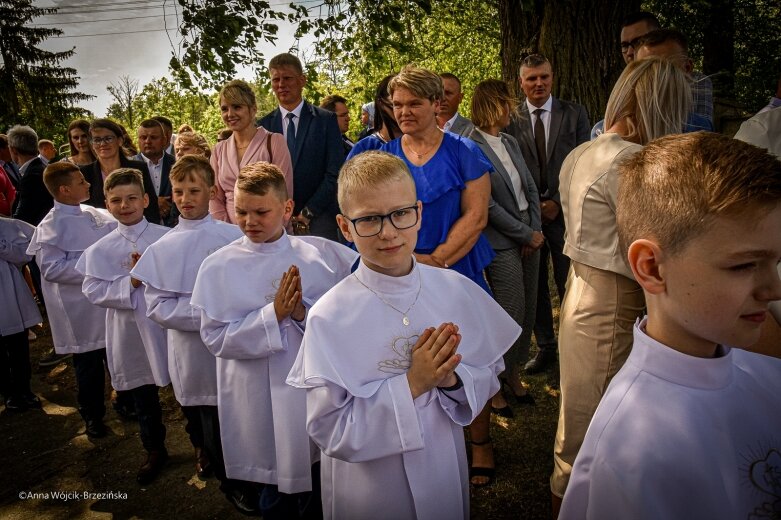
point(155, 171)
point(296, 112)
point(545, 116)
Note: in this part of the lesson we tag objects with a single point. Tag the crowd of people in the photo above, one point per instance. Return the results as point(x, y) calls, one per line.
point(331, 314)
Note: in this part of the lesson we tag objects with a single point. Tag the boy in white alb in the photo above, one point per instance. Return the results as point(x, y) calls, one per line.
point(78, 327)
point(253, 295)
point(168, 269)
point(135, 345)
point(19, 313)
point(396, 359)
point(690, 427)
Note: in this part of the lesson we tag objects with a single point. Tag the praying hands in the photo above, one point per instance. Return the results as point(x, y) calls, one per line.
point(434, 359)
point(288, 300)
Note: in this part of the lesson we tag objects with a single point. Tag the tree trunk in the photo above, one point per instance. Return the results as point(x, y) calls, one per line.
point(579, 37)
point(719, 47)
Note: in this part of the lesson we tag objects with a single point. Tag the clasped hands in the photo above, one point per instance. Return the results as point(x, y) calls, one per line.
point(289, 300)
point(434, 359)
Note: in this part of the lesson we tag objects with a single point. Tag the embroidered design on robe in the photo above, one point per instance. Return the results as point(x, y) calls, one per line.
point(274, 285)
point(764, 474)
point(401, 346)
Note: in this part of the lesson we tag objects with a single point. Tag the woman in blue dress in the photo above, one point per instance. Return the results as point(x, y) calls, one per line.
point(451, 175)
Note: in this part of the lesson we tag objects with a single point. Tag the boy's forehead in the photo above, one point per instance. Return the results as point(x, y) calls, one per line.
point(754, 232)
point(193, 176)
point(125, 189)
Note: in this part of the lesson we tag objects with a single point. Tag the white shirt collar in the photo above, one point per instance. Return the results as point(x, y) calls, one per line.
point(296, 111)
point(149, 161)
point(449, 123)
point(67, 208)
point(185, 223)
point(547, 106)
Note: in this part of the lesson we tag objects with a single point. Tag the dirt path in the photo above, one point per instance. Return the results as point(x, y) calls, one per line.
point(49, 469)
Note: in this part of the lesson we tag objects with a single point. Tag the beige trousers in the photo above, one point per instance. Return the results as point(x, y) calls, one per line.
point(595, 337)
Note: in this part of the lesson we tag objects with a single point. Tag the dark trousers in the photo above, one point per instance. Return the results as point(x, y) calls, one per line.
point(150, 417)
point(213, 446)
point(90, 381)
point(193, 425)
point(35, 275)
point(553, 248)
point(15, 369)
point(282, 506)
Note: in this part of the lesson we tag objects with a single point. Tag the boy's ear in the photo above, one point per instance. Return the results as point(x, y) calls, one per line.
point(344, 227)
point(146, 200)
point(645, 257)
point(212, 192)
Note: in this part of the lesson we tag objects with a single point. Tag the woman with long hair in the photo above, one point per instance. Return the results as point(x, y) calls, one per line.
point(78, 139)
point(385, 127)
point(651, 98)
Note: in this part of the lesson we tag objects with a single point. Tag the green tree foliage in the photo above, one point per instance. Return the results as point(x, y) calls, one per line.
point(360, 42)
point(750, 74)
point(34, 89)
point(221, 36)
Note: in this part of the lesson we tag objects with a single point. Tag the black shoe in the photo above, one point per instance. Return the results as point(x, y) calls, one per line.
point(155, 460)
point(505, 411)
point(31, 400)
point(245, 503)
point(15, 404)
point(51, 358)
point(125, 412)
point(544, 358)
point(95, 429)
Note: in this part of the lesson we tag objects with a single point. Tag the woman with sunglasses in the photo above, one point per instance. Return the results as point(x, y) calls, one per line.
point(106, 141)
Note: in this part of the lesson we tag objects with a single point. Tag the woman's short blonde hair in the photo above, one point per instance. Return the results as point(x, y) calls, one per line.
point(196, 141)
point(653, 97)
point(488, 102)
point(238, 92)
point(421, 82)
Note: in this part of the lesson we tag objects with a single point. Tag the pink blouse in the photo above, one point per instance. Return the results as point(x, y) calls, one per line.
point(224, 160)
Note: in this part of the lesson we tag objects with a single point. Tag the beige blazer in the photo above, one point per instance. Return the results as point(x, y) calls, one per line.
point(589, 189)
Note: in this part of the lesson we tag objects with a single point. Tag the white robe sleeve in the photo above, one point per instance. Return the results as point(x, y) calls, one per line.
point(357, 429)
point(116, 294)
point(255, 336)
point(463, 406)
point(170, 310)
point(14, 251)
point(56, 267)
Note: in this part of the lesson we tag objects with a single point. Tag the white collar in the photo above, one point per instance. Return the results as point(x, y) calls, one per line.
point(450, 122)
point(152, 163)
point(386, 284)
point(186, 224)
point(547, 106)
point(268, 248)
point(296, 111)
point(67, 208)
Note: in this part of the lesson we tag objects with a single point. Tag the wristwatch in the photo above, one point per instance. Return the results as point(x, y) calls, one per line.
point(307, 214)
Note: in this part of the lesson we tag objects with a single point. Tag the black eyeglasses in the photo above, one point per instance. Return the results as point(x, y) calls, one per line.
point(97, 141)
point(371, 225)
point(635, 43)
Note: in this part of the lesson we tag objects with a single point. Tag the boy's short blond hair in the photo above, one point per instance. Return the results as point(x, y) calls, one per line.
point(286, 60)
point(190, 167)
point(369, 170)
point(261, 177)
point(671, 191)
point(58, 174)
point(122, 177)
point(421, 82)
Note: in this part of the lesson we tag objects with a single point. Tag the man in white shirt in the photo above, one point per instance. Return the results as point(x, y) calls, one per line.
point(152, 143)
point(448, 117)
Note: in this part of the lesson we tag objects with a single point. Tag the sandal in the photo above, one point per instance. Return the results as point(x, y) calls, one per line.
point(476, 471)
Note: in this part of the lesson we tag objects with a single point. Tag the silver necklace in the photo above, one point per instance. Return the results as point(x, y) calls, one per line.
point(133, 242)
point(404, 317)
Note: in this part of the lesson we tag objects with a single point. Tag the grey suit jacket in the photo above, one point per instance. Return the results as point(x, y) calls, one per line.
point(505, 230)
point(462, 126)
point(569, 127)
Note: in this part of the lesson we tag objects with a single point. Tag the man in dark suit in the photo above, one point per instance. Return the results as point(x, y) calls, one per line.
point(315, 145)
point(547, 129)
point(35, 201)
point(338, 105)
point(448, 118)
point(152, 143)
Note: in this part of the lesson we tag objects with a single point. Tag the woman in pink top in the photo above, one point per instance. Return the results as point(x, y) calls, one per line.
point(248, 144)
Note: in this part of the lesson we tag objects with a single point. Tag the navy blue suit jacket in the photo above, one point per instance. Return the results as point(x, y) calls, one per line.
point(33, 201)
point(317, 158)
